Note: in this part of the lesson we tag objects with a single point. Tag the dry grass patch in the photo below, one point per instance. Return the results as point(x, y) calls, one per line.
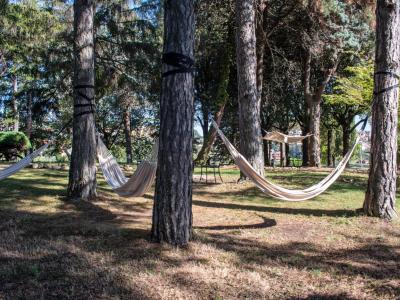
point(245, 246)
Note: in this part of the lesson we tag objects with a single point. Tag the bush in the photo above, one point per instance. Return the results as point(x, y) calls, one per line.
point(13, 143)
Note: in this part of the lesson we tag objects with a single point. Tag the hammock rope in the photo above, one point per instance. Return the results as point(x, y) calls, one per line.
point(280, 192)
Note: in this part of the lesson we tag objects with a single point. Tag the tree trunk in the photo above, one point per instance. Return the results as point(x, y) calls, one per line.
point(308, 100)
point(251, 145)
point(260, 45)
point(329, 148)
point(287, 157)
point(304, 148)
point(315, 123)
point(29, 115)
point(222, 98)
point(205, 124)
point(313, 103)
point(381, 191)
point(346, 138)
point(172, 212)
point(267, 152)
point(210, 138)
point(127, 132)
point(82, 174)
point(282, 150)
point(14, 104)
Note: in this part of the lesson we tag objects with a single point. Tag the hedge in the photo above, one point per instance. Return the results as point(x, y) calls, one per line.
point(13, 144)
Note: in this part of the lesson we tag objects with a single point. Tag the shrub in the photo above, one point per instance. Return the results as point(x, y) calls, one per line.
point(13, 143)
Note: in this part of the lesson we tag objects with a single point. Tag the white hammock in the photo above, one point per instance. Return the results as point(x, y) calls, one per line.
point(283, 138)
point(135, 186)
point(277, 191)
point(22, 163)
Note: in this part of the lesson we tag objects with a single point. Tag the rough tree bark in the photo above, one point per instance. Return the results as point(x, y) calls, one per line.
point(251, 145)
point(314, 141)
point(82, 174)
point(127, 132)
point(304, 148)
point(381, 191)
point(308, 99)
point(172, 212)
point(14, 104)
point(261, 41)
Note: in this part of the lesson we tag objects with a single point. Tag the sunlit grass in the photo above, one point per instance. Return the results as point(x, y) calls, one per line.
point(245, 244)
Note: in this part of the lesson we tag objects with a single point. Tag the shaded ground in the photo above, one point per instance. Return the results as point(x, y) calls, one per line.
point(245, 245)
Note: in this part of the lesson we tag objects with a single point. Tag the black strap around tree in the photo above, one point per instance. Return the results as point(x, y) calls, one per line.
point(383, 72)
point(386, 89)
point(393, 74)
point(84, 86)
point(88, 99)
point(84, 96)
point(183, 63)
point(87, 112)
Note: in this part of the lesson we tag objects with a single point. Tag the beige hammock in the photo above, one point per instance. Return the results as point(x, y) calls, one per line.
point(283, 138)
point(18, 166)
point(135, 186)
point(277, 191)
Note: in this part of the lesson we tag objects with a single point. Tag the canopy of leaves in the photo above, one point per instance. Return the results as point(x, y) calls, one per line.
point(354, 88)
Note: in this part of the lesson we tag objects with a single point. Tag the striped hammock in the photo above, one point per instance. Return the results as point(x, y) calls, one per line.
point(280, 192)
point(135, 186)
point(18, 166)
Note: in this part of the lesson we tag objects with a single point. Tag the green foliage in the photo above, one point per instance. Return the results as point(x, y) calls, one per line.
point(354, 88)
point(142, 147)
point(14, 139)
point(118, 152)
point(12, 143)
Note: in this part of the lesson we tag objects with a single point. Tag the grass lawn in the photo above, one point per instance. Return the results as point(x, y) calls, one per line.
point(246, 245)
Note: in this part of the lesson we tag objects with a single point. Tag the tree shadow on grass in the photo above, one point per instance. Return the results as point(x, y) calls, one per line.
point(80, 254)
point(14, 191)
point(341, 296)
point(53, 253)
point(371, 259)
point(282, 210)
point(265, 224)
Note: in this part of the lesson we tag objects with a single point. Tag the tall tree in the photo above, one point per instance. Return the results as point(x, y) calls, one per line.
point(172, 212)
point(14, 104)
point(313, 100)
point(82, 174)
point(351, 96)
point(381, 191)
point(251, 145)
